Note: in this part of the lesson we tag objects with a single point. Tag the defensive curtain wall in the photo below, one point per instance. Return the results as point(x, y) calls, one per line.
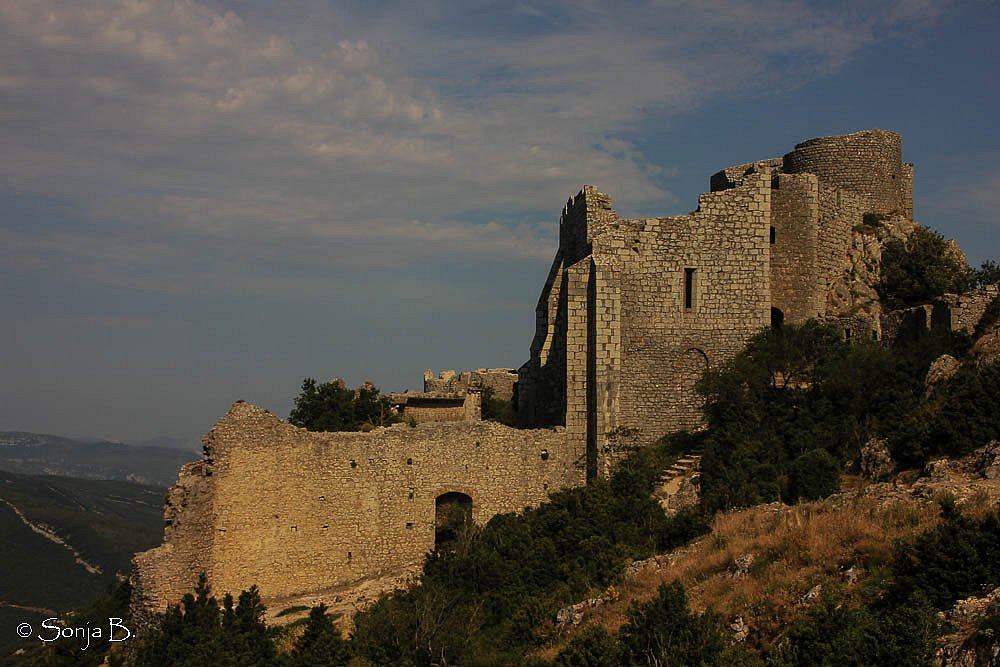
point(630, 315)
point(307, 515)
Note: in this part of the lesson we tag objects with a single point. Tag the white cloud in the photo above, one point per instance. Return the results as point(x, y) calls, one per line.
point(179, 125)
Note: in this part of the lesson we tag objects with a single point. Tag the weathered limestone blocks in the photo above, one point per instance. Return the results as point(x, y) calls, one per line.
point(634, 311)
point(500, 380)
point(867, 163)
point(299, 513)
point(437, 406)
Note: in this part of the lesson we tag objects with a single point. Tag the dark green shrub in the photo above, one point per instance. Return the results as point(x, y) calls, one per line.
point(594, 647)
point(321, 644)
point(919, 269)
point(959, 558)
point(836, 635)
point(664, 632)
point(331, 406)
point(496, 409)
point(813, 476)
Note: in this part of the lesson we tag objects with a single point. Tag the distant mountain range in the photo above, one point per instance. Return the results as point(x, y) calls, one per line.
point(155, 461)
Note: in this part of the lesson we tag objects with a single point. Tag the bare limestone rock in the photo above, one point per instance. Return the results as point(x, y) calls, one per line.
point(876, 461)
point(941, 369)
point(987, 348)
point(987, 460)
point(740, 629)
point(965, 646)
point(741, 566)
point(573, 614)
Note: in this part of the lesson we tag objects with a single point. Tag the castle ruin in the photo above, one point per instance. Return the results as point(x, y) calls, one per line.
point(630, 315)
point(633, 311)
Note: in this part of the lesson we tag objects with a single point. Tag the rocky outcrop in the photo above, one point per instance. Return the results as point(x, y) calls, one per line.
point(941, 369)
point(967, 644)
point(876, 460)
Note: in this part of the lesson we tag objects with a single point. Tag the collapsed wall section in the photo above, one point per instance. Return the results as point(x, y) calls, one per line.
point(500, 381)
point(297, 512)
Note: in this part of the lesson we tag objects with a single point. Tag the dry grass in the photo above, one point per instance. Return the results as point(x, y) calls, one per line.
point(793, 549)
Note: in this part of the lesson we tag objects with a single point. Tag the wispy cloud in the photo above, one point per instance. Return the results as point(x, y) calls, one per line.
point(178, 125)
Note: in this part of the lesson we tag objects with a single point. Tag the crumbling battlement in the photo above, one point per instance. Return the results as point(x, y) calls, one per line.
point(298, 512)
point(500, 380)
point(634, 310)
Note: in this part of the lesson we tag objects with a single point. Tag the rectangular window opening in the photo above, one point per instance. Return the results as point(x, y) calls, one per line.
point(772, 235)
point(688, 289)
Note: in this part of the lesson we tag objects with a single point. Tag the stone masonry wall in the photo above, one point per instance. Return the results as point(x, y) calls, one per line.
point(867, 163)
point(731, 177)
point(962, 312)
point(500, 380)
point(665, 346)
point(840, 211)
point(542, 379)
point(299, 512)
point(796, 285)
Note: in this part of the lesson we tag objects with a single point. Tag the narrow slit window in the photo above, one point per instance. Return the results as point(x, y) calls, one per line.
point(772, 235)
point(688, 289)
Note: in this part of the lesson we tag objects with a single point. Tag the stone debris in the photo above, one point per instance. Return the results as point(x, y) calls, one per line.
point(812, 594)
point(741, 566)
point(573, 614)
point(740, 629)
point(964, 645)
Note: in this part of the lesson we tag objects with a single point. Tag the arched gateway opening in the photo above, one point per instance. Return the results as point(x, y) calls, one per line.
point(452, 514)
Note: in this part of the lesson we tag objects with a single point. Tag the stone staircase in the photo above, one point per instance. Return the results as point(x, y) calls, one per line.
point(678, 484)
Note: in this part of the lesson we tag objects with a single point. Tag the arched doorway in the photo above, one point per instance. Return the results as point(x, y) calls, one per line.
point(777, 318)
point(452, 514)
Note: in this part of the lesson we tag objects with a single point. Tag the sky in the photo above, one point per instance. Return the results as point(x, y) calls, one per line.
point(206, 201)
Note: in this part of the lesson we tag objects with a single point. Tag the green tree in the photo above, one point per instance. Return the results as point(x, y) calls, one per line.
point(321, 644)
point(919, 269)
point(665, 633)
point(331, 406)
point(813, 476)
point(197, 633)
point(594, 647)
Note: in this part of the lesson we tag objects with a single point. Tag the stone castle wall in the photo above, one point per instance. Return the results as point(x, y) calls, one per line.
point(298, 512)
point(796, 282)
point(632, 348)
point(500, 380)
point(962, 312)
point(868, 163)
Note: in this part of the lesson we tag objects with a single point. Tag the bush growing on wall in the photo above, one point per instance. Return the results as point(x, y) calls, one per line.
point(919, 269)
point(331, 406)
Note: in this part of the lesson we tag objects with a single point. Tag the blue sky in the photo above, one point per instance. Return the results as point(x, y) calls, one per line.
point(208, 201)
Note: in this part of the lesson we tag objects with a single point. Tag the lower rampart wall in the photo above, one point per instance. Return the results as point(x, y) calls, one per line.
point(297, 512)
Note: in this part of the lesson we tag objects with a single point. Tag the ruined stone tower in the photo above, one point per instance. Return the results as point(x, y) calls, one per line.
point(633, 311)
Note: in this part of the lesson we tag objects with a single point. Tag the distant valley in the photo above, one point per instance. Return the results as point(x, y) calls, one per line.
point(67, 541)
